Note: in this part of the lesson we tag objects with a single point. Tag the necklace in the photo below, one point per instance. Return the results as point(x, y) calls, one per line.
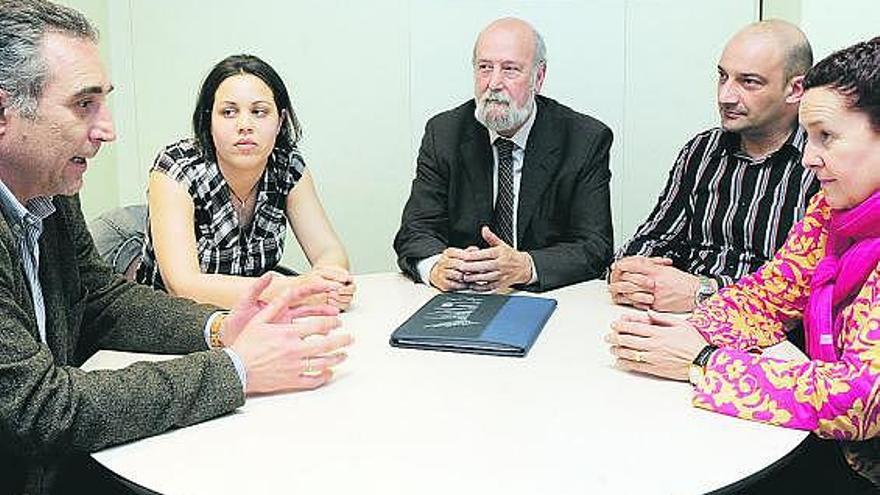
point(242, 202)
point(243, 211)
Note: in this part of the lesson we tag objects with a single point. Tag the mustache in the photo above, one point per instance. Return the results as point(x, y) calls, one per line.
point(732, 107)
point(495, 97)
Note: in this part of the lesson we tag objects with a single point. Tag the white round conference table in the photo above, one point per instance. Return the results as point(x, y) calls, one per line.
point(394, 421)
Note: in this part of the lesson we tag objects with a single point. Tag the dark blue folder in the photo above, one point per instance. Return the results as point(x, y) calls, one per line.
point(477, 323)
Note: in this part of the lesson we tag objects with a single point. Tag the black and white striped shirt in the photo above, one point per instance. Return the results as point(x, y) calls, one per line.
point(223, 246)
point(722, 213)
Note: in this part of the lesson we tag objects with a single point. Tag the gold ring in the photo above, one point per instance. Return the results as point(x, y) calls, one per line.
point(309, 368)
point(640, 357)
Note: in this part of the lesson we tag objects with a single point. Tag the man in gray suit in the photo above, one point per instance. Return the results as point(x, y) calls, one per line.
point(59, 302)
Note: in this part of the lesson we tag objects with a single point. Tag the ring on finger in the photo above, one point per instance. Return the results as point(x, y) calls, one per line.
point(309, 368)
point(640, 357)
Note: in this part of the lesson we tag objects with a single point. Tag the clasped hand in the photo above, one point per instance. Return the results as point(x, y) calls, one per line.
point(286, 343)
point(340, 297)
point(652, 283)
point(495, 268)
point(657, 345)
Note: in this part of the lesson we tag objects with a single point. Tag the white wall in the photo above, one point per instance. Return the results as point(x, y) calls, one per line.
point(829, 25)
point(834, 25)
point(365, 76)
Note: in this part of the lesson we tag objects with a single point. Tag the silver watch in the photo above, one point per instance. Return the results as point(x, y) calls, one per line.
point(705, 290)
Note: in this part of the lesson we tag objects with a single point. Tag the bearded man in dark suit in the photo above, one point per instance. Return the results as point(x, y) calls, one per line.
point(511, 188)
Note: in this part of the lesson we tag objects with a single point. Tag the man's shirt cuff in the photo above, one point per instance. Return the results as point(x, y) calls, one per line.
point(425, 266)
point(534, 270)
point(239, 367)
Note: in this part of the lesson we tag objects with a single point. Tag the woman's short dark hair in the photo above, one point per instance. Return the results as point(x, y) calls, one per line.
point(290, 133)
point(854, 73)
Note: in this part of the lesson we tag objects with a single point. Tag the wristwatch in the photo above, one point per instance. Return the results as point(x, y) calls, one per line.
point(697, 368)
point(705, 290)
point(215, 333)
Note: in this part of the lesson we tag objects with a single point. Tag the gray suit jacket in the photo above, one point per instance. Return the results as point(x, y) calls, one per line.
point(564, 214)
point(51, 410)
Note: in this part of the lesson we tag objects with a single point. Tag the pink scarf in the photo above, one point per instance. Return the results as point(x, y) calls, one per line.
point(851, 254)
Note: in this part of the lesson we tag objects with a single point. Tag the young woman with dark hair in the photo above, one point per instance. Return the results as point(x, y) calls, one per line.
point(219, 202)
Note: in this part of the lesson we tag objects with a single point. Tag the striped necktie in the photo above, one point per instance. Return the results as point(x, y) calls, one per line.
point(503, 215)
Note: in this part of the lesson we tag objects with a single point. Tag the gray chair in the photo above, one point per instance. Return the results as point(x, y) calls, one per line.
point(119, 237)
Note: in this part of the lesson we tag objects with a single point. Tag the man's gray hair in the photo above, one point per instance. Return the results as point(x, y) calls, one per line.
point(540, 54)
point(23, 27)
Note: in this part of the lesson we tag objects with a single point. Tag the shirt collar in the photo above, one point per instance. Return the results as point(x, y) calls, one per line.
point(12, 208)
point(522, 135)
point(792, 147)
point(35, 210)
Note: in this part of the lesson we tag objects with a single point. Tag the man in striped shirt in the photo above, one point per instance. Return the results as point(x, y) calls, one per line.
point(735, 191)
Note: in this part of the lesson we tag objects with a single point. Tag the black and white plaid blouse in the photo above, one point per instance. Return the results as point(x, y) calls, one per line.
point(222, 246)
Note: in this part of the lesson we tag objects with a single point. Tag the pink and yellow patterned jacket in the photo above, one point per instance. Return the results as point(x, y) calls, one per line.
point(836, 400)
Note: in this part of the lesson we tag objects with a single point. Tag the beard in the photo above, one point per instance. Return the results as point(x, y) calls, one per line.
point(498, 113)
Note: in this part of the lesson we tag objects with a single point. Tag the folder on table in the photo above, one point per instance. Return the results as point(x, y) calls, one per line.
point(476, 323)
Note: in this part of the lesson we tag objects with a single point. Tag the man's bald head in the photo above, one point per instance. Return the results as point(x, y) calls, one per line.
point(519, 29)
point(792, 42)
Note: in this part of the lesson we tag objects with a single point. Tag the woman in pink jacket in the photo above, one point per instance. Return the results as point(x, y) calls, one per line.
point(826, 275)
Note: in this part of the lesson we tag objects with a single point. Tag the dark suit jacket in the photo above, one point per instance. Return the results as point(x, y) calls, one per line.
point(51, 411)
point(564, 212)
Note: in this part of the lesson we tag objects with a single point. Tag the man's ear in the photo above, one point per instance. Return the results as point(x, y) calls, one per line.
point(539, 79)
point(795, 90)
